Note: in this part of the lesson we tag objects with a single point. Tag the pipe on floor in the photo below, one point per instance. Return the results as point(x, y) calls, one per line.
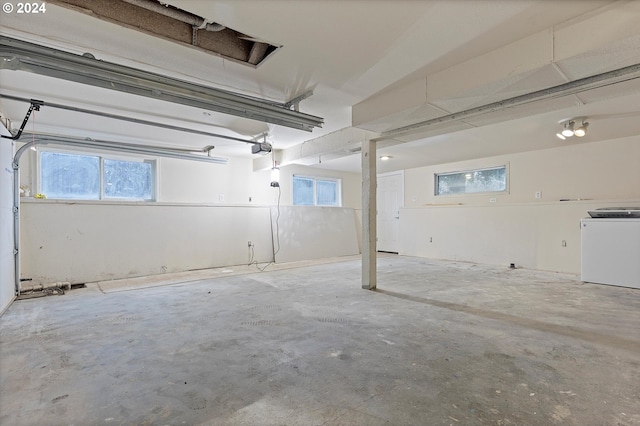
point(40, 287)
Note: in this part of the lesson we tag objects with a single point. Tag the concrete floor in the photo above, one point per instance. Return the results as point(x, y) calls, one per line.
point(441, 343)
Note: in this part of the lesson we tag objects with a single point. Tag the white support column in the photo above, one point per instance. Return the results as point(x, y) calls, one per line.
point(369, 210)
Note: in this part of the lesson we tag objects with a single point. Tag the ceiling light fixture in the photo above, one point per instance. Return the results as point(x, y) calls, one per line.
point(570, 129)
point(275, 177)
point(275, 174)
point(385, 157)
point(582, 130)
point(567, 132)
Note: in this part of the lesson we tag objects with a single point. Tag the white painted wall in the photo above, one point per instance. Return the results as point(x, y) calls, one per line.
point(606, 170)
point(351, 184)
point(181, 181)
point(203, 219)
point(518, 228)
point(7, 291)
point(87, 241)
point(306, 232)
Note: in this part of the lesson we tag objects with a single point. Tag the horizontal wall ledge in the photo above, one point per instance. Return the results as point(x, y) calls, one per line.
point(135, 203)
point(599, 202)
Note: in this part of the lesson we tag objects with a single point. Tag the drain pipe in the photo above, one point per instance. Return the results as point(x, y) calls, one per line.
point(106, 145)
point(175, 13)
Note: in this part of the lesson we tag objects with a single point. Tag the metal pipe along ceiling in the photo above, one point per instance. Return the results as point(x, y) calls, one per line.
point(175, 13)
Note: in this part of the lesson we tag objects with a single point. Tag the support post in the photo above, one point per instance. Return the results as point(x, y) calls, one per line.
point(369, 213)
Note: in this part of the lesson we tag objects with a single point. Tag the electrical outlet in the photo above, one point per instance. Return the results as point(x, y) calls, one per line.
point(250, 244)
point(538, 194)
point(430, 239)
point(220, 197)
point(564, 243)
point(492, 200)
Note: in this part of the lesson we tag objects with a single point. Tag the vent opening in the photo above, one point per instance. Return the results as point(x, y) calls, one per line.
point(177, 25)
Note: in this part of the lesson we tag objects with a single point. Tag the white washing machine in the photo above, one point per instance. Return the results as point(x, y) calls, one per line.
point(611, 251)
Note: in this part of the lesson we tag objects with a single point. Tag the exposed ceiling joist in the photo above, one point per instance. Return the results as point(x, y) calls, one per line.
point(177, 25)
point(18, 55)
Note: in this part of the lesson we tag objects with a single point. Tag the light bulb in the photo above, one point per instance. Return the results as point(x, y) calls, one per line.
point(568, 129)
point(582, 130)
point(275, 177)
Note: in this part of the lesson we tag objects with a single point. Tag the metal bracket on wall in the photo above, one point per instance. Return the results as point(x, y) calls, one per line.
point(35, 105)
point(295, 102)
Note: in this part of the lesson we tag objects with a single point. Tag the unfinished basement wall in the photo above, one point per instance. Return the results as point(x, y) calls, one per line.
point(204, 217)
point(517, 228)
point(237, 183)
point(7, 290)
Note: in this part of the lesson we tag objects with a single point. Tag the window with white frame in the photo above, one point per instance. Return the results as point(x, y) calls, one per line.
point(492, 179)
point(311, 191)
point(66, 175)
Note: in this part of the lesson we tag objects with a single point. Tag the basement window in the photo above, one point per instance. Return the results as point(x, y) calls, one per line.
point(92, 177)
point(311, 191)
point(492, 179)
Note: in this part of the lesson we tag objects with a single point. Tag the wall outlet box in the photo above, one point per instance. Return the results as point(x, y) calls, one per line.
point(220, 197)
point(538, 194)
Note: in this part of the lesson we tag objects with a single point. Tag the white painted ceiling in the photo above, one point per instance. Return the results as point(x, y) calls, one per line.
point(350, 53)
